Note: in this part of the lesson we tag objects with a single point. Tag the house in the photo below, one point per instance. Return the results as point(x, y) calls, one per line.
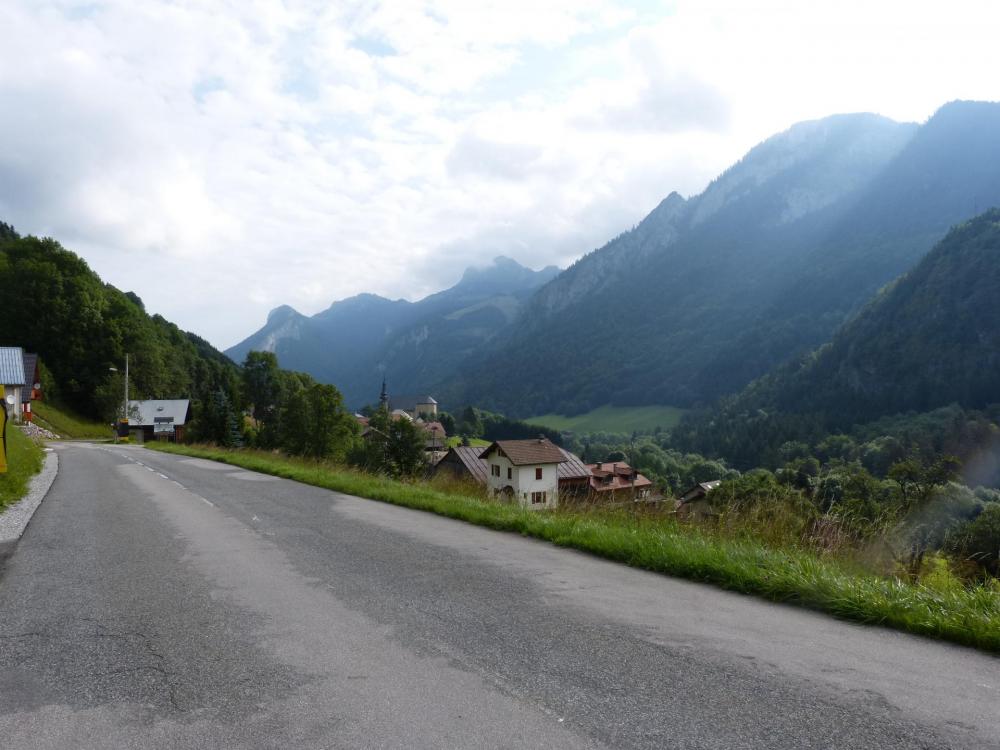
point(158, 419)
point(416, 406)
point(436, 437)
point(525, 470)
point(618, 481)
point(463, 461)
point(32, 387)
point(690, 503)
point(12, 380)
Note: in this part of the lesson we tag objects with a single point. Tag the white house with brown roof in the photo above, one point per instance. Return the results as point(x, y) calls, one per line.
point(525, 470)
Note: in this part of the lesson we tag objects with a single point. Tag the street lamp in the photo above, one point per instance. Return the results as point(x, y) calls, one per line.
point(125, 403)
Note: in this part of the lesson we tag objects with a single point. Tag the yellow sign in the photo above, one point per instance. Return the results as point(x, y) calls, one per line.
point(3, 431)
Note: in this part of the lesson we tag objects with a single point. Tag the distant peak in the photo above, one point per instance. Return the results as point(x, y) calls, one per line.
point(283, 312)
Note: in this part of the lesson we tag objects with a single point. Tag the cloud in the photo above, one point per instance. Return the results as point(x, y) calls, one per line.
point(258, 153)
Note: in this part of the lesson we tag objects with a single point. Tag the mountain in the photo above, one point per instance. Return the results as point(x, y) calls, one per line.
point(706, 294)
point(929, 340)
point(356, 341)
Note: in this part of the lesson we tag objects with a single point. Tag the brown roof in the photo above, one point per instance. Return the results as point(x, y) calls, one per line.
point(468, 456)
point(621, 477)
point(573, 467)
point(524, 452)
point(699, 491)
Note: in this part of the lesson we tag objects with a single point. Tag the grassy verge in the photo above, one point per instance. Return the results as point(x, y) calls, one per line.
point(66, 424)
point(970, 616)
point(24, 460)
point(616, 419)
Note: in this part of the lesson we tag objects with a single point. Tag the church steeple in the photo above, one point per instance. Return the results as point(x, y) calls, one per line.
point(383, 397)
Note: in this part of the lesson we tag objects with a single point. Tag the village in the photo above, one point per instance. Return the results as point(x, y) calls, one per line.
point(535, 473)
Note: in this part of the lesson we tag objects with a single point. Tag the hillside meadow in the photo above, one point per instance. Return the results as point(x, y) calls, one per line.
point(614, 419)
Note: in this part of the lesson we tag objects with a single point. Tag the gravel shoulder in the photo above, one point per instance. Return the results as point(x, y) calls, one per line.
point(14, 520)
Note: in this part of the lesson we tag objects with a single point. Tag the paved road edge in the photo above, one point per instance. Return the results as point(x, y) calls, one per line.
point(15, 519)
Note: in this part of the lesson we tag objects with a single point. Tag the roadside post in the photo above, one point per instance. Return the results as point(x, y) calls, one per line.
point(3, 431)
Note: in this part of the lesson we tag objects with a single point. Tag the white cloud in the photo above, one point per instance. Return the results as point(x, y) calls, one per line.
point(221, 159)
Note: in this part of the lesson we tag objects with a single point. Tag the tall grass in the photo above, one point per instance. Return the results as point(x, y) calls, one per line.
point(966, 615)
point(24, 460)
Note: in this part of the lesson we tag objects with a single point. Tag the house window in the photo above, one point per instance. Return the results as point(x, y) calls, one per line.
point(538, 498)
point(510, 473)
point(538, 475)
point(495, 469)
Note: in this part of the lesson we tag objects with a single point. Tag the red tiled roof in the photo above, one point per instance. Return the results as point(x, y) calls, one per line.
point(524, 452)
point(620, 473)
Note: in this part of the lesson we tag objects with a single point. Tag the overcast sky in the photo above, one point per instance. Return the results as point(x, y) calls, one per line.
point(222, 158)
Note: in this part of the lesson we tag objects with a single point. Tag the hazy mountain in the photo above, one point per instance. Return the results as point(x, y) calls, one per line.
point(706, 294)
point(414, 344)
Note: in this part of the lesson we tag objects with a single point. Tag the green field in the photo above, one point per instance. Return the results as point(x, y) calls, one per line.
point(620, 419)
point(456, 440)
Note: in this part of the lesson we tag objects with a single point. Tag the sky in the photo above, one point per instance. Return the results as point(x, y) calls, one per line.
point(223, 158)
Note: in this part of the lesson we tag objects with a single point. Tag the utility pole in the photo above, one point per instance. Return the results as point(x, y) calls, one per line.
point(126, 389)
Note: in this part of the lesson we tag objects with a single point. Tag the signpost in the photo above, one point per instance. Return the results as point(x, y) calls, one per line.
point(3, 431)
point(163, 425)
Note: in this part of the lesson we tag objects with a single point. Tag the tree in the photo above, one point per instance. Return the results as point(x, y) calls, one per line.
point(469, 423)
point(216, 421)
point(391, 446)
point(262, 392)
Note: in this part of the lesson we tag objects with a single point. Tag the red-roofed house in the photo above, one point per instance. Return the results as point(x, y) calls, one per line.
point(618, 481)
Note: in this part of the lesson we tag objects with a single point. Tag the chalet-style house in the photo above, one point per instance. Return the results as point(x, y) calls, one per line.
point(158, 419)
point(525, 470)
point(12, 381)
point(602, 482)
point(618, 481)
point(464, 461)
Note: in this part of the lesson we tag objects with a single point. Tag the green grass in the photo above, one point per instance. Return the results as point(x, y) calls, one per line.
point(456, 440)
point(618, 419)
point(66, 424)
point(24, 460)
point(969, 616)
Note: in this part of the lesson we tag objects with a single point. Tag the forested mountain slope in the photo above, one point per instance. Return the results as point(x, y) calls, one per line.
point(413, 344)
point(707, 294)
point(55, 305)
point(929, 340)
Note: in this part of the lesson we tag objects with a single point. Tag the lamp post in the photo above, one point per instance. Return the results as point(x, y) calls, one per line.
point(125, 402)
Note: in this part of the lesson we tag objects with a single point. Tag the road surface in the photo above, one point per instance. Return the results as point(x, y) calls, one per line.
point(163, 601)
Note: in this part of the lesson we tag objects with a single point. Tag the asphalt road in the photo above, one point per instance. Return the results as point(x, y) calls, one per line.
point(160, 601)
